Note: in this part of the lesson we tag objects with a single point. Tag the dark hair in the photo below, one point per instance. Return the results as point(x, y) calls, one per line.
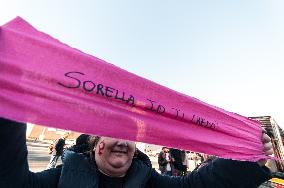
point(82, 144)
point(83, 139)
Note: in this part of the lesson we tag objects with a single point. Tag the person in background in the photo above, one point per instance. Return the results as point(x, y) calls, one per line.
point(177, 160)
point(207, 161)
point(184, 159)
point(82, 144)
point(57, 151)
point(164, 162)
point(116, 163)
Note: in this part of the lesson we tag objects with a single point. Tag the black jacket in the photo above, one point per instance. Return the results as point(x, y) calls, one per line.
point(80, 172)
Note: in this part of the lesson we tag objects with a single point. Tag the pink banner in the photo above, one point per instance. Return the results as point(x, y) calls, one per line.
point(46, 82)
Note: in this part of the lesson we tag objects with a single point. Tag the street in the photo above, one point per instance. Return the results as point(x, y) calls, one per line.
point(38, 156)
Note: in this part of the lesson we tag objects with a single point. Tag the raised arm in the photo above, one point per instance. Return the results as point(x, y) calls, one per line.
point(220, 173)
point(14, 169)
point(13, 158)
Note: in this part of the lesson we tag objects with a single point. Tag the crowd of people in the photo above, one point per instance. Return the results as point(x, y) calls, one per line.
point(175, 162)
point(115, 163)
point(172, 162)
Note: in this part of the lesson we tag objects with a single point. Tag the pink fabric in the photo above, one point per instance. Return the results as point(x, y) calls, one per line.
point(46, 82)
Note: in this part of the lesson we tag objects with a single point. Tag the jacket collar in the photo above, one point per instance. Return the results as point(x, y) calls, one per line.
point(80, 171)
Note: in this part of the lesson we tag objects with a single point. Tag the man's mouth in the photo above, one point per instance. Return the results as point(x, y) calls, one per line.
point(119, 151)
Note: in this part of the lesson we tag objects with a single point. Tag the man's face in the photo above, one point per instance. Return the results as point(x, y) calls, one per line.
point(114, 156)
point(65, 136)
point(166, 150)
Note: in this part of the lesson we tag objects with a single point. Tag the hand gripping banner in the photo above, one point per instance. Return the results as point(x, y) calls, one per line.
point(46, 82)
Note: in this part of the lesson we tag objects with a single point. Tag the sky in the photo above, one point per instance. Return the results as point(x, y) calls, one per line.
point(227, 53)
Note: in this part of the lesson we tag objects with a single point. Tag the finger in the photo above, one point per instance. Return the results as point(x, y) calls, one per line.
point(267, 146)
point(265, 138)
point(269, 152)
point(263, 130)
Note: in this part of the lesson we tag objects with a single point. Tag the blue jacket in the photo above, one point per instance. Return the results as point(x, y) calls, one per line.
point(78, 171)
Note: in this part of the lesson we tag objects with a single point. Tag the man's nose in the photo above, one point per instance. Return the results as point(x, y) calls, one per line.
point(122, 143)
